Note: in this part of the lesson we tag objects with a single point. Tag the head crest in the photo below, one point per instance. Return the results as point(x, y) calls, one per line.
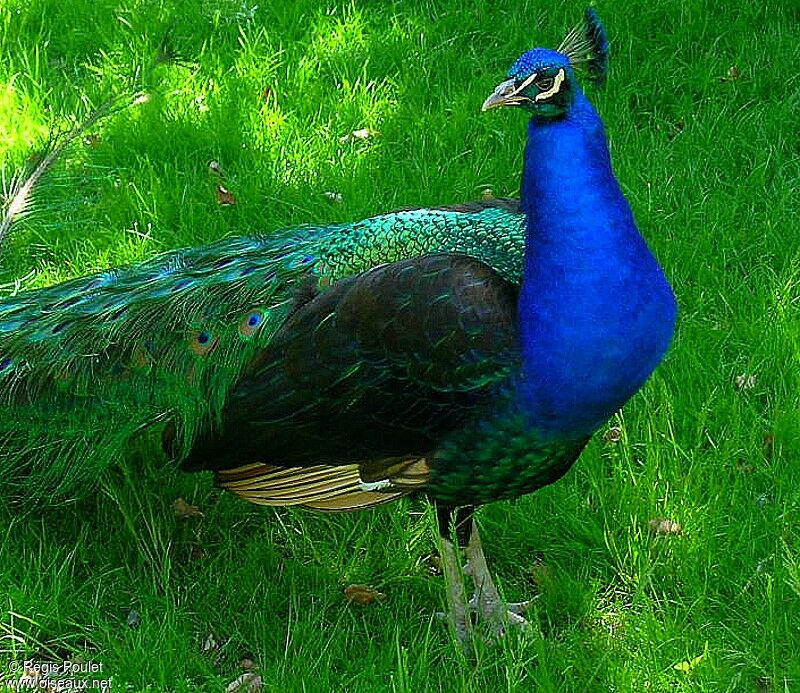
point(588, 44)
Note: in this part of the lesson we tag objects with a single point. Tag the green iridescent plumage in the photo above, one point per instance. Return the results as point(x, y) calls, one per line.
point(86, 365)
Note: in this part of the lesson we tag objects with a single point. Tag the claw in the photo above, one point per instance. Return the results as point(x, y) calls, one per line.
point(519, 608)
point(486, 605)
point(499, 616)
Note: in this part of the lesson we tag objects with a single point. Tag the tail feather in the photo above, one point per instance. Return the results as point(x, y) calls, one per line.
point(18, 192)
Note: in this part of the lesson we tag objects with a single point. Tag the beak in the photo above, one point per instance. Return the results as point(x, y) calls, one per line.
point(503, 96)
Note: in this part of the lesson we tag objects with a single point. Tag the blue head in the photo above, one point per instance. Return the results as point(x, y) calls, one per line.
point(543, 81)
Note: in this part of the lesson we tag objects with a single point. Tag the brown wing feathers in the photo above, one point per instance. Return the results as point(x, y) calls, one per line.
point(326, 487)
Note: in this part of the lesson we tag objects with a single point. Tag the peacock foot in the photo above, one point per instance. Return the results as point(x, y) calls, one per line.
point(498, 616)
point(488, 624)
point(486, 609)
point(486, 603)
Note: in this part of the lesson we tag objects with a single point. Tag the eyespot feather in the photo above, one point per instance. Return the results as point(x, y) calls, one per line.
point(202, 342)
point(251, 322)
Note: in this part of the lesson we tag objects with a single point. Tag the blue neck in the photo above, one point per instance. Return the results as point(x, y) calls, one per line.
point(596, 312)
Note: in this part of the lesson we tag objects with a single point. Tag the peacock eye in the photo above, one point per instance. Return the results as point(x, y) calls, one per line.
point(545, 83)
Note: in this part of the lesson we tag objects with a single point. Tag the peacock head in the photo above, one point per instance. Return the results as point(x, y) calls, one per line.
point(543, 81)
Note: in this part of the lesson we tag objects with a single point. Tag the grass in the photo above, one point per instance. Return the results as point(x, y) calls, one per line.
point(708, 155)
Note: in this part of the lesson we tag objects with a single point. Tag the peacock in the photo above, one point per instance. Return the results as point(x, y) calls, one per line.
point(466, 354)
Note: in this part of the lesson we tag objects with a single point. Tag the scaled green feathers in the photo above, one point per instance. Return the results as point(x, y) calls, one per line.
point(86, 365)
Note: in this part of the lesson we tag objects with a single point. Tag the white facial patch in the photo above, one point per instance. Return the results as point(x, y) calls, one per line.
point(525, 84)
point(558, 80)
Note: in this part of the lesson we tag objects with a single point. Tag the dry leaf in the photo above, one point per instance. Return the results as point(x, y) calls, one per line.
point(734, 73)
point(613, 435)
point(662, 525)
point(266, 92)
point(688, 665)
point(362, 594)
point(487, 194)
point(183, 509)
point(210, 643)
point(91, 140)
point(225, 196)
point(746, 381)
point(362, 134)
point(215, 168)
point(333, 196)
point(248, 664)
point(197, 553)
point(246, 683)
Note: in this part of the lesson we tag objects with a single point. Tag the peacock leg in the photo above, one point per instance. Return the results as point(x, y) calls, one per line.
point(458, 611)
point(486, 601)
point(486, 604)
point(456, 523)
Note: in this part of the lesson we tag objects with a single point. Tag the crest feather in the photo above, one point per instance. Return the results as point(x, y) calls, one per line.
point(588, 44)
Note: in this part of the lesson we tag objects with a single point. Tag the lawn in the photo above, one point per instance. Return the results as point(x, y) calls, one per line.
point(668, 559)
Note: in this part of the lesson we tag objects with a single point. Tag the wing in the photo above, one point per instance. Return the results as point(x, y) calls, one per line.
point(362, 381)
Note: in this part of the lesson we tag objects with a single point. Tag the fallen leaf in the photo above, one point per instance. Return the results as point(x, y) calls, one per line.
point(687, 666)
point(333, 196)
point(91, 140)
point(248, 664)
point(746, 381)
point(663, 525)
point(734, 73)
point(487, 194)
point(613, 435)
point(197, 553)
point(215, 168)
point(362, 134)
point(225, 196)
point(362, 594)
point(246, 683)
point(183, 509)
point(210, 643)
point(266, 92)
